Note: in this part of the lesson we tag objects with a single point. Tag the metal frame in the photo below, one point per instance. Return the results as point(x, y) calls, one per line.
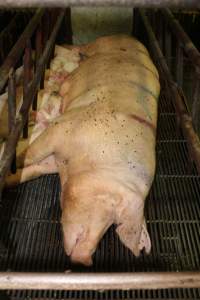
point(30, 86)
point(93, 281)
point(98, 281)
point(131, 3)
point(185, 119)
point(185, 44)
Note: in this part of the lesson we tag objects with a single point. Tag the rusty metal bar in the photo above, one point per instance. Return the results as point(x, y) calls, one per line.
point(181, 35)
point(12, 109)
point(98, 281)
point(16, 52)
point(131, 3)
point(27, 78)
point(179, 64)
point(22, 117)
point(177, 95)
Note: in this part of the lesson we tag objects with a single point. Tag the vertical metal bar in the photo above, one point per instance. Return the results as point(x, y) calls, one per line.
point(27, 78)
point(153, 19)
point(53, 15)
point(38, 52)
point(196, 106)
point(168, 46)
point(135, 22)
point(179, 64)
point(159, 27)
point(12, 109)
point(68, 26)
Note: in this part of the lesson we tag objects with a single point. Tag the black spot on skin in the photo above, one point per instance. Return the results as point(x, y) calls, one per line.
point(123, 49)
point(103, 151)
point(56, 123)
point(118, 143)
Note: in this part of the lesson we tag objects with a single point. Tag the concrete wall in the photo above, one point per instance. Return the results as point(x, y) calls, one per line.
point(89, 23)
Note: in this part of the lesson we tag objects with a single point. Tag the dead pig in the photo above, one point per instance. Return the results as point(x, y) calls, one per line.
point(104, 146)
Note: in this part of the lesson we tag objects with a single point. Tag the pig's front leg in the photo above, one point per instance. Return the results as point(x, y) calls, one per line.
point(46, 166)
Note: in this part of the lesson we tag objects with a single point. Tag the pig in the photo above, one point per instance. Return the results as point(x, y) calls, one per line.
point(63, 63)
point(103, 145)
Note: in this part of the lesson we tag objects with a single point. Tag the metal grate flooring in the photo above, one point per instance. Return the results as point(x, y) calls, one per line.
point(30, 229)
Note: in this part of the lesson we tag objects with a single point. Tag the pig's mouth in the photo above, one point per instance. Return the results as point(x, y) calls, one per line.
point(80, 254)
point(78, 249)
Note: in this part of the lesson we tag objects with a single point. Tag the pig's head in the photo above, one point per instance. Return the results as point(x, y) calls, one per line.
point(86, 215)
point(90, 206)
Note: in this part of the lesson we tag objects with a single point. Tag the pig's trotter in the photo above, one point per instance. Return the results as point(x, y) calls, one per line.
point(42, 147)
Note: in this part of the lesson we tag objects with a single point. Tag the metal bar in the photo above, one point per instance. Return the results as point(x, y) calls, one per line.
point(135, 22)
point(196, 106)
point(5, 35)
point(98, 281)
point(11, 100)
point(27, 79)
point(177, 95)
point(131, 3)
point(12, 109)
point(159, 29)
point(168, 46)
point(182, 36)
point(179, 64)
point(22, 117)
point(38, 52)
point(16, 52)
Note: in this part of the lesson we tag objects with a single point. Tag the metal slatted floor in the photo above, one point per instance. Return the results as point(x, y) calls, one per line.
point(31, 233)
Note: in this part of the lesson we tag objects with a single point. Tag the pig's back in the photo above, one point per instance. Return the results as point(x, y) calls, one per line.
point(116, 95)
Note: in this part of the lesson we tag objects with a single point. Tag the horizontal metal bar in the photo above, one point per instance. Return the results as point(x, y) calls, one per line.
point(98, 281)
point(67, 3)
point(17, 50)
point(181, 35)
point(177, 95)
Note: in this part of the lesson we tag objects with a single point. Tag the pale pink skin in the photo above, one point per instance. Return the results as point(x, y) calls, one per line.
point(98, 186)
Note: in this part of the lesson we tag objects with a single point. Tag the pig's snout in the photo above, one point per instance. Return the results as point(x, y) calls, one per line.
point(77, 246)
point(81, 256)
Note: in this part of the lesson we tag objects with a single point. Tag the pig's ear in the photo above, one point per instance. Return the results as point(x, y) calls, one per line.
point(145, 242)
point(131, 230)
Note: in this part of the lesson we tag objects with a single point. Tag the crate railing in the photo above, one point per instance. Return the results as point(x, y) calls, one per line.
point(32, 79)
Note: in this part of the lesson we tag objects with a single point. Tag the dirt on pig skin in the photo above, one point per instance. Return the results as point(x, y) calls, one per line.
point(104, 146)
